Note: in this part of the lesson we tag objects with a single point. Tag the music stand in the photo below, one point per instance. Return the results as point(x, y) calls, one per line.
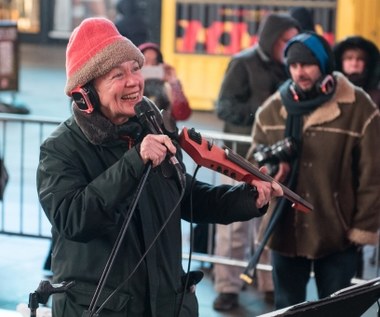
point(352, 301)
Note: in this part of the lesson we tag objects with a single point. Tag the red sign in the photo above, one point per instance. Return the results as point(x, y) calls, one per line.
point(8, 56)
point(225, 29)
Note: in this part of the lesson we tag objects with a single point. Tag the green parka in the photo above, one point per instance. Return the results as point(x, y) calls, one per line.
point(339, 173)
point(86, 190)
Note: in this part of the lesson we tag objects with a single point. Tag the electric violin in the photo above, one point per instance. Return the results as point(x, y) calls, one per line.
point(231, 164)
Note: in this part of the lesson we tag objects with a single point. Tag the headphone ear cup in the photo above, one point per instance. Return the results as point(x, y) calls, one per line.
point(327, 84)
point(86, 98)
point(93, 95)
point(297, 94)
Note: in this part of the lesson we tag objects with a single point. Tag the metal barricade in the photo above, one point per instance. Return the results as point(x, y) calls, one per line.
point(20, 211)
point(20, 139)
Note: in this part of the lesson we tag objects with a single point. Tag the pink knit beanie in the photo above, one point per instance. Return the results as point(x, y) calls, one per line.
point(94, 48)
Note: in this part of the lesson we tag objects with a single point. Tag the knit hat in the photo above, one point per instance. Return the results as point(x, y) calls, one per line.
point(94, 48)
point(299, 53)
point(310, 48)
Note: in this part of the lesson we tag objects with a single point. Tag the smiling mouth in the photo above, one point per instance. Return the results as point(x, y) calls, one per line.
point(133, 96)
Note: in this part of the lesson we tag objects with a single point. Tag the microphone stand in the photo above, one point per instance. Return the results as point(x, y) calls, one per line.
point(279, 210)
point(90, 312)
point(249, 272)
point(42, 293)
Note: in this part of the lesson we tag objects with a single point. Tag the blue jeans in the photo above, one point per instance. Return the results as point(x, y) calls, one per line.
point(291, 275)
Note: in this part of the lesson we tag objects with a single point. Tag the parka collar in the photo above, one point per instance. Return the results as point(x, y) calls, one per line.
point(100, 131)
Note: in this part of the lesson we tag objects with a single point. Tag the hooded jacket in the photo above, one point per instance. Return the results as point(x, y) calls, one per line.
point(370, 80)
point(86, 179)
point(252, 76)
point(338, 173)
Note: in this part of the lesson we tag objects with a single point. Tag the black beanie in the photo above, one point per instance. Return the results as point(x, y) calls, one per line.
point(310, 48)
point(299, 53)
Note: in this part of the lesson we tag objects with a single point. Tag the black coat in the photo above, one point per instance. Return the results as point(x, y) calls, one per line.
point(86, 190)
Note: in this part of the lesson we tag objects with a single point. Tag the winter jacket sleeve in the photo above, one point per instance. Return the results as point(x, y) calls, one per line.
point(80, 205)
point(234, 99)
point(366, 221)
point(220, 204)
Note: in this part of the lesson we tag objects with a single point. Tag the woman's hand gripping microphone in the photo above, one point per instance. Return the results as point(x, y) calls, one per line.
point(157, 146)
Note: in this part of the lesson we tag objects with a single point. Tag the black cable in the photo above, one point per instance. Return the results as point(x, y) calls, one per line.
point(118, 242)
point(144, 255)
point(191, 238)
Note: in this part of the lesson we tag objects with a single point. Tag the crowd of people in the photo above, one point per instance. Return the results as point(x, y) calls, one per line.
point(104, 168)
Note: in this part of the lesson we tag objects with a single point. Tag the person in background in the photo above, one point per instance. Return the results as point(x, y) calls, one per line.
point(242, 92)
point(87, 179)
point(180, 108)
point(159, 91)
point(358, 59)
point(304, 17)
point(336, 127)
point(131, 20)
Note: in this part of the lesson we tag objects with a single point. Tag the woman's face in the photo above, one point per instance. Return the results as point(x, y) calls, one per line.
point(119, 91)
point(150, 57)
point(353, 61)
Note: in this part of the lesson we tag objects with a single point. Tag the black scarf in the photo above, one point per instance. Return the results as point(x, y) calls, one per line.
point(297, 109)
point(294, 122)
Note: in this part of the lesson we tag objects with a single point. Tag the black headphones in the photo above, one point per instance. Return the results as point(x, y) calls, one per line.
point(325, 86)
point(86, 98)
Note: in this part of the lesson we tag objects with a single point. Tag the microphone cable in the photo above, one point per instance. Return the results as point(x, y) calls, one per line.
point(117, 244)
point(191, 240)
point(143, 256)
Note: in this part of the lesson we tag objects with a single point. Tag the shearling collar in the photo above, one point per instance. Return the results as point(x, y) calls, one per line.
point(100, 131)
point(344, 93)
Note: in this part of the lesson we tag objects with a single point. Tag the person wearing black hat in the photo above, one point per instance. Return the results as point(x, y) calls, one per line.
point(335, 126)
point(358, 58)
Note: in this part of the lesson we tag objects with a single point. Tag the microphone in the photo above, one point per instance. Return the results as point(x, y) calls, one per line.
point(151, 118)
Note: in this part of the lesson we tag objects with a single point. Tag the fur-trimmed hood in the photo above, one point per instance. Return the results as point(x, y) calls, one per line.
point(373, 57)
